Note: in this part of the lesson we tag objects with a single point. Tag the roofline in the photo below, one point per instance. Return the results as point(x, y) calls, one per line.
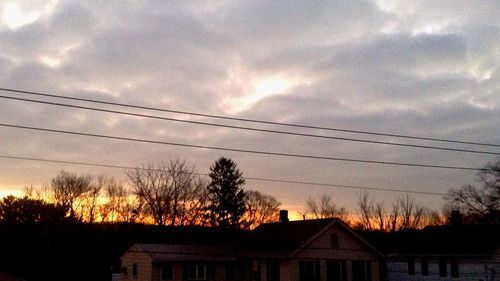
point(436, 255)
point(342, 224)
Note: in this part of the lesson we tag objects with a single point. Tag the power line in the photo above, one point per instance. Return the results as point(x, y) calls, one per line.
point(202, 174)
point(252, 120)
point(249, 128)
point(259, 152)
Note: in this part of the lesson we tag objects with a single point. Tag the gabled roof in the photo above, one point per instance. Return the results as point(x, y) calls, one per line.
point(283, 239)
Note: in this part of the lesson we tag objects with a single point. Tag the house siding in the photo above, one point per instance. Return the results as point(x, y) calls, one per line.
point(143, 262)
point(349, 249)
point(334, 242)
point(178, 271)
point(469, 269)
point(320, 249)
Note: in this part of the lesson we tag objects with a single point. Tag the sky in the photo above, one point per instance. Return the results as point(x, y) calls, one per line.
point(419, 68)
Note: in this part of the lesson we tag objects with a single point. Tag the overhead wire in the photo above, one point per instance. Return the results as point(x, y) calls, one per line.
point(203, 174)
point(249, 128)
point(258, 152)
point(250, 120)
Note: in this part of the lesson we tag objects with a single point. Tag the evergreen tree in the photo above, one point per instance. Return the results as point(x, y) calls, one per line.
point(226, 195)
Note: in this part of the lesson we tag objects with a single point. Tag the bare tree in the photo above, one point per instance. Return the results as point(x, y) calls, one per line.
point(90, 204)
point(44, 193)
point(260, 208)
point(68, 188)
point(394, 217)
point(195, 210)
point(479, 204)
point(411, 212)
point(405, 213)
point(115, 198)
point(381, 218)
point(431, 217)
point(166, 188)
point(365, 211)
point(324, 207)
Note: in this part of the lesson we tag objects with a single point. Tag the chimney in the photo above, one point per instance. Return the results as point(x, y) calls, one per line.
point(284, 216)
point(456, 217)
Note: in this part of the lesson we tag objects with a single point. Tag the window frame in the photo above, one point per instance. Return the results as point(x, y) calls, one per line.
point(454, 270)
point(199, 271)
point(367, 270)
point(443, 270)
point(162, 272)
point(273, 270)
point(334, 241)
point(341, 275)
point(424, 266)
point(135, 270)
point(411, 266)
point(309, 270)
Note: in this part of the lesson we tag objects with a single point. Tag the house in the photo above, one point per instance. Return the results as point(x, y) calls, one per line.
point(447, 253)
point(322, 249)
point(309, 250)
point(161, 262)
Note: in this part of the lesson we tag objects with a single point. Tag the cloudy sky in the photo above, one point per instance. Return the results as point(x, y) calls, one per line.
point(420, 68)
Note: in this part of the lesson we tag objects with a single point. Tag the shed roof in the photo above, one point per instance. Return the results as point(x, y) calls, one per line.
point(177, 252)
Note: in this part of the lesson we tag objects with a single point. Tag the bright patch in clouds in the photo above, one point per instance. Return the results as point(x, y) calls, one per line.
point(15, 15)
point(261, 89)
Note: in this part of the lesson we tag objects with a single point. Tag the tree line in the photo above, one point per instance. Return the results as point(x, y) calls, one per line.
point(172, 193)
point(169, 193)
point(472, 203)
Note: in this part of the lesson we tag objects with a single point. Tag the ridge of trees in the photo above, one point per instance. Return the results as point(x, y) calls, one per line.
point(172, 193)
point(169, 193)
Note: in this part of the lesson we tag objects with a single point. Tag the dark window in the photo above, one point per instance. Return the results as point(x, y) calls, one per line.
point(454, 268)
point(334, 241)
point(336, 271)
point(309, 271)
point(424, 266)
point(230, 273)
point(272, 271)
point(255, 271)
point(134, 270)
point(411, 266)
point(361, 271)
point(166, 272)
point(442, 267)
point(199, 271)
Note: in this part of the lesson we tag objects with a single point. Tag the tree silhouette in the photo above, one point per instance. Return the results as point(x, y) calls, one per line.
point(324, 207)
point(24, 210)
point(260, 208)
point(479, 204)
point(226, 196)
point(69, 189)
point(169, 190)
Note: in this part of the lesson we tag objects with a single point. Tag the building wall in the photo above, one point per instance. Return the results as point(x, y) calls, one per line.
point(143, 262)
point(321, 249)
point(468, 270)
point(348, 249)
point(178, 271)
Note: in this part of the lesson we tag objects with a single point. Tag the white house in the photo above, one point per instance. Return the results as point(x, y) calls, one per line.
point(447, 253)
point(309, 250)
